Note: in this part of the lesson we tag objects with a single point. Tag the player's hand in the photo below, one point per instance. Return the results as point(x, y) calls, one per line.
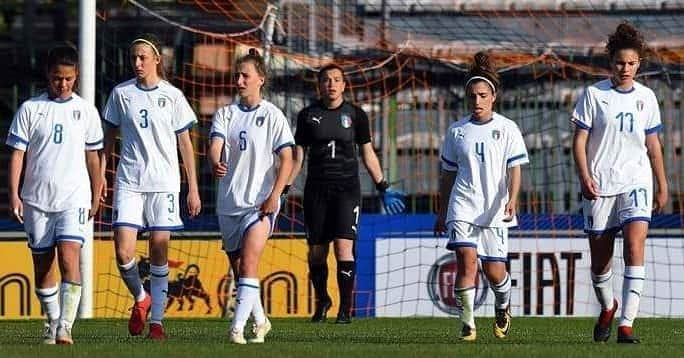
point(393, 201)
point(589, 188)
point(17, 208)
point(659, 201)
point(510, 211)
point(271, 204)
point(194, 203)
point(103, 192)
point(94, 207)
point(440, 225)
point(220, 169)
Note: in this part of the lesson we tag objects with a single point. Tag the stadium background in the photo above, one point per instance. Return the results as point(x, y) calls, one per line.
point(406, 61)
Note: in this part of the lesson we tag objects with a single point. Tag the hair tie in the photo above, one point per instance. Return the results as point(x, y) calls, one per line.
point(147, 42)
point(471, 79)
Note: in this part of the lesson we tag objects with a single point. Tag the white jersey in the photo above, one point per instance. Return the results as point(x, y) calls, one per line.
point(55, 135)
point(150, 120)
point(481, 153)
point(252, 139)
point(618, 123)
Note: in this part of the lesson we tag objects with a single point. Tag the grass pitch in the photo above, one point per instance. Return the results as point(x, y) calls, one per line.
point(367, 338)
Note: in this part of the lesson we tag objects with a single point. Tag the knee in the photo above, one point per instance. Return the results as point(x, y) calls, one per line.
point(124, 256)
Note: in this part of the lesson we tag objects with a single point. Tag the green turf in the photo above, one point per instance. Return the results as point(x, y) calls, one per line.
point(368, 338)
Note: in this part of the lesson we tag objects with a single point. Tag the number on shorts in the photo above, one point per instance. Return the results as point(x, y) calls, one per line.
point(634, 194)
point(82, 216)
point(172, 202)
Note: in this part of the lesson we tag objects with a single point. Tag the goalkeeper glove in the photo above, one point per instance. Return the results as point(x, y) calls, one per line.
point(392, 199)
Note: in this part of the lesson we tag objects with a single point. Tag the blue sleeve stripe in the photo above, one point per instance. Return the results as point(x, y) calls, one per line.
point(17, 138)
point(581, 125)
point(454, 164)
point(519, 156)
point(655, 129)
point(280, 147)
point(187, 126)
point(217, 134)
point(95, 143)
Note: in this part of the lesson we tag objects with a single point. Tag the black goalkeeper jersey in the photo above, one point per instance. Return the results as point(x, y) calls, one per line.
point(332, 137)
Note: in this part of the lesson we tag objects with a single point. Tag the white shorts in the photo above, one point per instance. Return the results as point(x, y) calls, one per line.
point(234, 227)
point(610, 213)
point(45, 229)
point(491, 242)
point(146, 211)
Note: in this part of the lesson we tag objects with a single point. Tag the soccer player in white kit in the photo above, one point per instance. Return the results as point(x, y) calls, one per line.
point(247, 138)
point(617, 152)
point(479, 185)
point(60, 135)
point(154, 119)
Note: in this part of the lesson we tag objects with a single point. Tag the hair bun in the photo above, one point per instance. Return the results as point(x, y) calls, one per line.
point(254, 52)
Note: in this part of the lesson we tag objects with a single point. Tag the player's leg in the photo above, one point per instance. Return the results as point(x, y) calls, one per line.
point(343, 218)
point(232, 243)
point(40, 230)
point(161, 212)
point(346, 275)
point(254, 241)
point(601, 223)
point(493, 252)
point(127, 220)
point(70, 230)
point(635, 215)
point(315, 217)
point(463, 241)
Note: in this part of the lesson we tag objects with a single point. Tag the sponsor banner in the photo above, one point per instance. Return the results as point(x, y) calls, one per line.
point(199, 283)
point(550, 277)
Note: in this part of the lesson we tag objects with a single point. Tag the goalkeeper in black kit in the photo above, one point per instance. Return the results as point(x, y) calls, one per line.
point(334, 132)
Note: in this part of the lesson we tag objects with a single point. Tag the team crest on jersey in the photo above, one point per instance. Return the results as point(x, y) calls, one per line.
point(260, 121)
point(161, 102)
point(496, 134)
point(640, 105)
point(77, 115)
point(345, 121)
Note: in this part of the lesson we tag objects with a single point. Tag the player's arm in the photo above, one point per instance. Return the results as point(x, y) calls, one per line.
point(514, 179)
point(96, 179)
point(446, 183)
point(371, 162)
point(298, 163)
point(284, 172)
point(219, 167)
point(579, 151)
point(188, 154)
point(655, 155)
point(16, 163)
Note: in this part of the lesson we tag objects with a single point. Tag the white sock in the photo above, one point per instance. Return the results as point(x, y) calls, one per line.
point(603, 287)
point(71, 296)
point(159, 288)
point(466, 298)
point(247, 294)
point(131, 277)
point(49, 301)
point(632, 286)
point(502, 293)
point(258, 311)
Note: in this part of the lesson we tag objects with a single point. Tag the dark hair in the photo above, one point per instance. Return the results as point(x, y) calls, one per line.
point(626, 36)
point(147, 39)
point(62, 55)
point(330, 67)
point(256, 59)
point(482, 67)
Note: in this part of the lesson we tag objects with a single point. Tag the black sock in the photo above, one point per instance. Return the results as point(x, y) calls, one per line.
point(318, 273)
point(346, 274)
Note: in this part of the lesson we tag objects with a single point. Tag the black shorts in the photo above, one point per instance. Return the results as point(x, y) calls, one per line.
point(331, 210)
